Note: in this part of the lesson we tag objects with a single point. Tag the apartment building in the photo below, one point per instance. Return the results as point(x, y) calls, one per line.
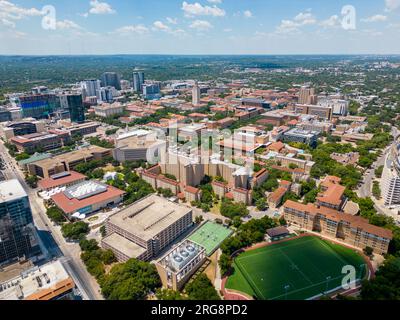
point(353, 230)
point(145, 228)
point(390, 182)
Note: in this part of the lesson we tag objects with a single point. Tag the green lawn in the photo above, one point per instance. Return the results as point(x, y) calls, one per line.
point(301, 265)
point(210, 235)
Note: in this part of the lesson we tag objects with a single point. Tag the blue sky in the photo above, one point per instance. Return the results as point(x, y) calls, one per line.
point(199, 26)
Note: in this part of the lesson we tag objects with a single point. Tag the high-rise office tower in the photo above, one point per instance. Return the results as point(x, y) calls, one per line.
point(196, 94)
point(17, 235)
point(307, 95)
point(90, 87)
point(111, 79)
point(138, 81)
point(106, 94)
point(76, 108)
point(151, 91)
point(390, 182)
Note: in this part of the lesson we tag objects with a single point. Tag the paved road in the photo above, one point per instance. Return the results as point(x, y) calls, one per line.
point(51, 238)
point(366, 189)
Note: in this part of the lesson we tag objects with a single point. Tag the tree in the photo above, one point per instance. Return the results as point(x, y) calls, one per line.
point(132, 280)
point(103, 231)
point(261, 204)
point(386, 284)
point(199, 219)
point(108, 257)
point(368, 251)
point(225, 263)
point(56, 215)
point(32, 181)
point(88, 245)
point(168, 294)
point(201, 288)
point(75, 231)
point(379, 171)
point(231, 209)
point(98, 173)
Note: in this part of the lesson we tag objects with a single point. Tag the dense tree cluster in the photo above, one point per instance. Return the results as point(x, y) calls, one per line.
point(75, 230)
point(201, 288)
point(246, 235)
point(132, 280)
point(232, 209)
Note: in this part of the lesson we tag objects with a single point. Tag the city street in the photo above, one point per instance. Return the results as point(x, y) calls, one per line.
point(366, 188)
point(50, 236)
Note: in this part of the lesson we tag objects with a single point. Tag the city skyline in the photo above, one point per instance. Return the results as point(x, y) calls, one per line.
point(199, 27)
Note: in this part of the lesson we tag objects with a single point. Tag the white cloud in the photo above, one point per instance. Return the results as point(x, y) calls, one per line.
point(7, 23)
point(248, 14)
point(333, 21)
point(158, 25)
point(227, 30)
point(137, 29)
point(172, 20)
point(98, 7)
point(201, 25)
point(305, 18)
point(392, 5)
point(293, 26)
point(10, 13)
point(196, 9)
point(375, 18)
point(68, 24)
point(215, 1)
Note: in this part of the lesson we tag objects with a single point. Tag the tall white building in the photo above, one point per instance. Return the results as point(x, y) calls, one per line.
point(138, 81)
point(90, 87)
point(390, 183)
point(196, 94)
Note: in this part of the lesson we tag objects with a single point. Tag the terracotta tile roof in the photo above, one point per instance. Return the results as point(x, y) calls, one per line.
point(261, 172)
point(277, 194)
point(70, 206)
point(241, 190)
point(167, 180)
point(191, 189)
point(333, 191)
point(276, 146)
point(50, 183)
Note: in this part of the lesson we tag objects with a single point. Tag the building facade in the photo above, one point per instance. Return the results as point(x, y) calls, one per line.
point(353, 230)
point(17, 235)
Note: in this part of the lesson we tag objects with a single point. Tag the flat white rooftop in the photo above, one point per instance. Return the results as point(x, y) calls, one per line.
point(33, 281)
point(11, 190)
point(149, 216)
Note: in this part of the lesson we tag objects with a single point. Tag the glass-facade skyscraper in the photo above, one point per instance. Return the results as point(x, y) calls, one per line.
point(111, 79)
point(138, 81)
point(17, 235)
point(76, 108)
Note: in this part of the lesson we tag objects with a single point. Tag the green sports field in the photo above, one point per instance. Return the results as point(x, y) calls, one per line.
point(295, 270)
point(210, 235)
